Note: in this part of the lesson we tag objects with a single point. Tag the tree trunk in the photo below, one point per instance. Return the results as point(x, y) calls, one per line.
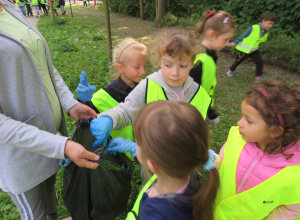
point(160, 6)
point(107, 27)
point(142, 9)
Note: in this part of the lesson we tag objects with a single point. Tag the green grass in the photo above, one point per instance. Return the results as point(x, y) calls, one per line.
point(79, 43)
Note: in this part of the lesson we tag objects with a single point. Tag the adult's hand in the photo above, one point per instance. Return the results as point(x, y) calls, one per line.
point(80, 110)
point(79, 155)
point(85, 90)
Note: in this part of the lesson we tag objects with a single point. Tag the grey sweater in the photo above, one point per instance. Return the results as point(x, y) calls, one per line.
point(28, 138)
point(125, 113)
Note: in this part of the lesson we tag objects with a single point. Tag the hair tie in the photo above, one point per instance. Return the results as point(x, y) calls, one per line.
point(266, 95)
point(226, 19)
point(210, 14)
point(125, 49)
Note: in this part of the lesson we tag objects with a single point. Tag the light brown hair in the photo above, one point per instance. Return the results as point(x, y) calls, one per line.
point(221, 22)
point(174, 136)
point(282, 100)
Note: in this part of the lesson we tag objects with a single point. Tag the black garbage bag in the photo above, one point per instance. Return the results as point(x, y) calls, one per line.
point(100, 194)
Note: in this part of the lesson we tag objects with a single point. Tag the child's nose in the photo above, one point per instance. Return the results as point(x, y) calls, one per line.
point(143, 70)
point(239, 123)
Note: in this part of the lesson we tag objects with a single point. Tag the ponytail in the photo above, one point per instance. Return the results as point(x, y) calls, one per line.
point(203, 200)
point(200, 26)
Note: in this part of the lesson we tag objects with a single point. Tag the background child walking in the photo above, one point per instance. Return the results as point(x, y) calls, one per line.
point(260, 162)
point(172, 193)
point(129, 62)
point(215, 30)
point(175, 55)
point(247, 45)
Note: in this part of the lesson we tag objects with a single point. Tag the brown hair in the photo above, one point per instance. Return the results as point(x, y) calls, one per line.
point(174, 135)
point(282, 100)
point(221, 22)
point(120, 52)
point(176, 42)
point(269, 16)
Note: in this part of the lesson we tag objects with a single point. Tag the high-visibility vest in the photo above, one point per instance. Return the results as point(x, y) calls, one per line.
point(20, 3)
point(42, 2)
point(251, 43)
point(258, 202)
point(134, 213)
point(201, 100)
point(209, 77)
point(103, 102)
point(34, 2)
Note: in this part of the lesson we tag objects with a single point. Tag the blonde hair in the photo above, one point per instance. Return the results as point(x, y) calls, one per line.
point(220, 22)
point(121, 50)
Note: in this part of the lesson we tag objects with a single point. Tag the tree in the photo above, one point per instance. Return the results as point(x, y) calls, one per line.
point(141, 9)
point(160, 6)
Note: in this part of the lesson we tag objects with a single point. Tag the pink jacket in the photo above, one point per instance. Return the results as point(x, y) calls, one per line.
point(255, 166)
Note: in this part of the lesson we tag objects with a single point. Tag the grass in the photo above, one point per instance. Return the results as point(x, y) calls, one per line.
point(79, 43)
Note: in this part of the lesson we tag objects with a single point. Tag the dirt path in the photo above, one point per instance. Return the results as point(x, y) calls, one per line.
point(33, 20)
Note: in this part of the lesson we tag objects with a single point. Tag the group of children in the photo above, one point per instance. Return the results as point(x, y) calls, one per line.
point(253, 177)
point(35, 4)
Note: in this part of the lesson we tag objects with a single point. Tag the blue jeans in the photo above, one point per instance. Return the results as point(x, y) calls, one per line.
point(23, 10)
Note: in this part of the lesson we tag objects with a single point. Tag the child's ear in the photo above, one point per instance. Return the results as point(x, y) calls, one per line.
point(276, 131)
point(152, 166)
point(119, 67)
point(211, 34)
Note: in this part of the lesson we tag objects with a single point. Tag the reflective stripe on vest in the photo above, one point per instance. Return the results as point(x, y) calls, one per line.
point(259, 201)
point(103, 102)
point(251, 43)
point(201, 99)
point(134, 214)
point(209, 70)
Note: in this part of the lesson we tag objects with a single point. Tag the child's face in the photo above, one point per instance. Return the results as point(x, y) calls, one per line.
point(266, 25)
point(252, 126)
point(221, 41)
point(175, 71)
point(134, 68)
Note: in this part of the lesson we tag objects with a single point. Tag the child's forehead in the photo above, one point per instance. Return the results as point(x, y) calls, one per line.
point(180, 58)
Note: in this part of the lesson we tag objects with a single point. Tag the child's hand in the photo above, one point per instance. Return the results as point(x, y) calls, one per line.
point(210, 162)
point(85, 90)
point(101, 128)
point(231, 44)
point(121, 145)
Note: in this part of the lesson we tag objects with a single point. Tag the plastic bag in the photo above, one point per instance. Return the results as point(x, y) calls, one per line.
point(100, 194)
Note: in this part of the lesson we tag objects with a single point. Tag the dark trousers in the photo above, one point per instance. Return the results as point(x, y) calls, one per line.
point(29, 11)
point(44, 9)
point(255, 56)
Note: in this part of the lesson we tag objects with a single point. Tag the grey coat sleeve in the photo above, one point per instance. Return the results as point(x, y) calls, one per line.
point(125, 113)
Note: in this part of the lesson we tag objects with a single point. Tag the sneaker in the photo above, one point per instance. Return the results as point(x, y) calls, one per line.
point(230, 73)
point(212, 117)
point(259, 79)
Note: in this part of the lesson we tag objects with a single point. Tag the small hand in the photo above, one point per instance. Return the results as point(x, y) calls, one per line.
point(85, 90)
point(231, 44)
point(79, 155)
point(80, 110)
point(210, 162)
point(121, 145)
point(101, 128)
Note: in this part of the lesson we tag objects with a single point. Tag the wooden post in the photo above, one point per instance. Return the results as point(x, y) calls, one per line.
point(52, 12)
point(108, 32)
point(142, 9)
point(71, 8)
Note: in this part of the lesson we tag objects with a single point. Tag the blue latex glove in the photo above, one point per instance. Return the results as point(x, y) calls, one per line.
point(85, 90)
point(210, 162)
point(64, 162)
point(101, 128)
point(121, 145)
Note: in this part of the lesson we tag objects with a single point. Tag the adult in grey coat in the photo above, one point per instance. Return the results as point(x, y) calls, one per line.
point(32, 98)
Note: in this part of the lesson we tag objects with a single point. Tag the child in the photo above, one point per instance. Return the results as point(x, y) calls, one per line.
point(129, 61)
point(248, 43)
point(260, 170)
point(216, 30)
point(176, 54)
point(161, 129)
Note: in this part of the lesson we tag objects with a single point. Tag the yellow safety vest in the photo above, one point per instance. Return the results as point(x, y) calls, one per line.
point(251, 43)
point(103, 102)
point(201, 99)
point(258, 202)
point(209, 77)
point(134, 213)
